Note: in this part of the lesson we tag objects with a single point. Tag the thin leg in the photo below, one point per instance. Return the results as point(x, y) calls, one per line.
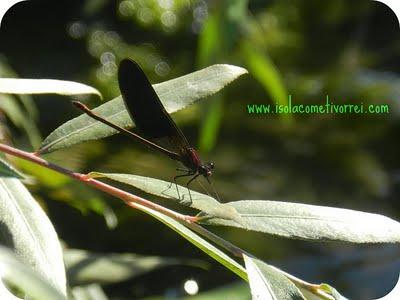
point(189, 173)
point(187, 184)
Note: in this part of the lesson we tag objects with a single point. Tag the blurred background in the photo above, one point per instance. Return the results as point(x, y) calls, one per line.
point(306, 48)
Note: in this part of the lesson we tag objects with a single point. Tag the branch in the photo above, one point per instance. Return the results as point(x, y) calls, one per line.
point(128, 198)
point(133, 200)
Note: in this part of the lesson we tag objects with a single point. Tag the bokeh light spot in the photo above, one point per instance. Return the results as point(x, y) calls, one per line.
point(162, 69)
point(77, 30)
point(109, 69)
point(168, 18)
point(126, 8)
point(146, 15)
point(191, 287)
point(107, 57)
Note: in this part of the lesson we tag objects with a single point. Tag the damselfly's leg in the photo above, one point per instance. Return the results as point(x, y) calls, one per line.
point(187, 185)
point(189, 173)
point(179, 170)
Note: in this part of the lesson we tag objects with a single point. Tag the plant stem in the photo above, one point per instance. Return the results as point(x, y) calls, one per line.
point(133, 201)
point(125, 196)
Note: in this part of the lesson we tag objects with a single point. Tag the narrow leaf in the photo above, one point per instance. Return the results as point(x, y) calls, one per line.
point(268, 284)
point(45, 86)
point(168, 190)
point(198, 241)
point(20, 118)
point(25, 278)
point(175, 94)
point(26, 229)
point(263, 69)
point(10, 107)
point(295, 220)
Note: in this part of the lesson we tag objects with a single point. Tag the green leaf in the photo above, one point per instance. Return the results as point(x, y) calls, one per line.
point(210, 125)
point(30, 111)
point(29, 106)
point(175, 94)
point(269, 284)
point(25, 278)
point(84, 267)
point(209, 38)
point(7, 170)
point(26, 229)
point(20, 118)
point(45, 86)
point(168, 190)
point(295, 220)
point(11, 109)
point(196, 240)
point(263, 69)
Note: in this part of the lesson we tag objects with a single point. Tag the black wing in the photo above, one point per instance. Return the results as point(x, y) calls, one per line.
point(145, 108)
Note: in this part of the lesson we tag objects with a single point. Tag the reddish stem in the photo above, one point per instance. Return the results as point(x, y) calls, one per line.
point(128, 198)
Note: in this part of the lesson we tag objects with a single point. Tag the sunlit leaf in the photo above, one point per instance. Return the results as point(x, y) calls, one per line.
point(295, 220)
point(175, 94)
point(45, 86)
point(21, 275)
point(269, 284)
point(168, 190)
point(198, 241)
point(27, 230)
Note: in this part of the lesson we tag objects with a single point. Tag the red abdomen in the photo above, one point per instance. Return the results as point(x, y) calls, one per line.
point(192, 159)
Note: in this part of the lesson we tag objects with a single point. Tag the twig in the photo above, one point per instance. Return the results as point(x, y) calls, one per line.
point(131, 200)
point(125, 196)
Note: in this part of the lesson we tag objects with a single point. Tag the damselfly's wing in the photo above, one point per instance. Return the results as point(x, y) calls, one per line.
point(146, 109)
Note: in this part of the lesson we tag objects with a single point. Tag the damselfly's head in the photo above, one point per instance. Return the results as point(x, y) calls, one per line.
point(207, 169)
